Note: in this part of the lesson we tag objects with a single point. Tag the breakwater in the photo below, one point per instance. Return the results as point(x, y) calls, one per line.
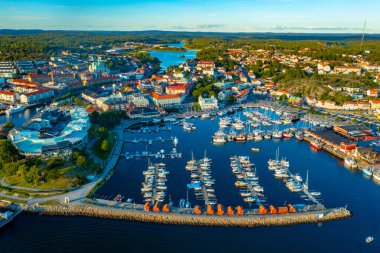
point(192, 219)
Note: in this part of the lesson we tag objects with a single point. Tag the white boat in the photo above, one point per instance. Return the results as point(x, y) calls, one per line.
point(315, 194)
point(369, 239)
point(175, 141)
point(238, 125)
point(367, 171)
point(205, 115)
point(14, 109)
point(277, 135)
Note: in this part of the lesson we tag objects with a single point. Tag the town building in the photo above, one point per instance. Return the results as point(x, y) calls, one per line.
point(66, 130)
point(165, 100)
point(208, 103)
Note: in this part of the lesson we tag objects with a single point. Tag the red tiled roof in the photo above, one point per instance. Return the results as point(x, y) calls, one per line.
point(164, 96)
point(5, 92)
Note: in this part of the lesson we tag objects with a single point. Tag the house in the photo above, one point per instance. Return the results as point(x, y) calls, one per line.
point(178, 89)
point(36, 96)
point(208, 72)
point(310, 101)
point(347, 70)
point(32, 77)
point(167, 99)
point(323, 68)
point(208, 103)
point(357, 105)
point(205, 64)
point(8, 96)
point(327, 104)
point(372, 92)
point(374, 104)
point(279, 93)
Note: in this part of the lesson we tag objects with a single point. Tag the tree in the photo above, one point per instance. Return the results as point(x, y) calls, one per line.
point(80, 180)
point(34, 175)
point(81, 161)
point(105, 146)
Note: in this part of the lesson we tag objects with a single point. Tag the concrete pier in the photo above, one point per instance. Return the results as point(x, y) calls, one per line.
point(192, 219)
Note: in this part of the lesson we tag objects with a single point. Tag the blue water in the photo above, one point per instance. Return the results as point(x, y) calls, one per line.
point(173, 58)
point(18, 118)
point(339, 187)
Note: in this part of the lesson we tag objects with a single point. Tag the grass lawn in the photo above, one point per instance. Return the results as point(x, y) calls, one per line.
point(67, 173)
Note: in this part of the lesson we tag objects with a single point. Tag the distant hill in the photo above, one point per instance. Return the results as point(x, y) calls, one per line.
point(158, 33)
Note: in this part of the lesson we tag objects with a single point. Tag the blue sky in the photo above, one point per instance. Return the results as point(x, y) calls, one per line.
point(335, 16)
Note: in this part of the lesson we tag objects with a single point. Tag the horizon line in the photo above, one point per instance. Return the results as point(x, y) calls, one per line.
point(184, 31)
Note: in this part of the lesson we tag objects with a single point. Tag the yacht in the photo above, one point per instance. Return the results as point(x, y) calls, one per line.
point(367, 171)
point(188, 126)
point(219, 137)
point(317, 145)
point(376, 175)
point(238, 125)
point(14, 109)
point(277, 135)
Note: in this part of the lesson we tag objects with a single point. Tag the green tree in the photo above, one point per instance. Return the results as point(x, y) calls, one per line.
point(105, 146)
point(81, 161)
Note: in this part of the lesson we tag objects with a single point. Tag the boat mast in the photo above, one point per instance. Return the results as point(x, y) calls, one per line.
point(306, 185)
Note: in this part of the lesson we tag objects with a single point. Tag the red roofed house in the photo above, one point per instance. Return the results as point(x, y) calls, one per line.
point(25, 82)
point(359, 105)
point(206, 64)
point(372, 93)
point(167, 99)
point(178, 89)
point(8, 96)
point(36, 96)
point(375, 104)
point(39, 78)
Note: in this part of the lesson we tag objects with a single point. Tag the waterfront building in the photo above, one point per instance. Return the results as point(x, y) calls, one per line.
point(69, 131)
point(167, 99)
point(40, 95)
point(353, 132)
point(138, 100)
point(208, 103)
point(355, 105)
point(8, 96)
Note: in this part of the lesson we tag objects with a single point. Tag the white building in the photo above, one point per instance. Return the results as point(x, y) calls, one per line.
point(167, 99)
point(208, 103)
point(36, 96)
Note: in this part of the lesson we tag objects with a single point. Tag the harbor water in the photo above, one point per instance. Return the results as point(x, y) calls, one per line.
point(339, 187)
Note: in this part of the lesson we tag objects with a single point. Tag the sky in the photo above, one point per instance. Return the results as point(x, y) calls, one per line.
point(318, 16)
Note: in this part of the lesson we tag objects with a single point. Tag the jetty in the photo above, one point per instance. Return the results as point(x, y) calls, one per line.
point(247, 220)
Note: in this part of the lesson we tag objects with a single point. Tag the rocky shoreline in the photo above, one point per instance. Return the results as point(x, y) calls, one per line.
point(191, 219)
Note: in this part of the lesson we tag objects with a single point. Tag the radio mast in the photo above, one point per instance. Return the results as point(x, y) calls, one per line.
point(361, 44)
